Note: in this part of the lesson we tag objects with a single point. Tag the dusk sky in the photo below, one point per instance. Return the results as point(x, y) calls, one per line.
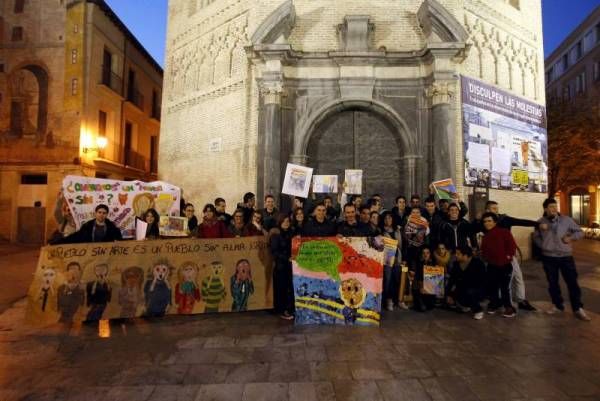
point(147, 19)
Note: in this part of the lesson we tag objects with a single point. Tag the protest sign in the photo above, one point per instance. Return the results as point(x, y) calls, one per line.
point(325, 184)
point(390, 248)
point(337, 281)
point(150, 278)
point(433, 280)
point(353, 182)
point(126, 200)
point(444, 188)
point(297, 180)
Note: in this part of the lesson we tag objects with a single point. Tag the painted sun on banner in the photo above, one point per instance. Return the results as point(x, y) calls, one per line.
point(337, 281)
point(127, 279)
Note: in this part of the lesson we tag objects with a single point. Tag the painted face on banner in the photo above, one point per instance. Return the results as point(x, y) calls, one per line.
point(48, 277)
point(160, 272)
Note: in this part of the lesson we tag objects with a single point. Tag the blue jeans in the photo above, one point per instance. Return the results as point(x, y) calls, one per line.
point(391, 283)
point(553, 266)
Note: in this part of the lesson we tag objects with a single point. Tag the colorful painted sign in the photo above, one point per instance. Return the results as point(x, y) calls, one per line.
point(433, 280)
point(126, 279)
point(126, 200)
point(325, 184)
point(297, 180)
point(337, 281)
point(444, 189)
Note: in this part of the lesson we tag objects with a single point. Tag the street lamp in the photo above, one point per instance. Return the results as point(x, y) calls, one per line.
point(101, 142)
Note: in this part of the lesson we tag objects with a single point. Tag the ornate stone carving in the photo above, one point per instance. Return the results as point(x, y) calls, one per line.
point(440, 92)
point(355, 34)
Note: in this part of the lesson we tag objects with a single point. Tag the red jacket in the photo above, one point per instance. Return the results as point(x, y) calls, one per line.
point(212, 229)
point(498, 246)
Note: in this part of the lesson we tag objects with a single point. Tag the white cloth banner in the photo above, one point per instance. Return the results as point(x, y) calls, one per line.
point(126, 200)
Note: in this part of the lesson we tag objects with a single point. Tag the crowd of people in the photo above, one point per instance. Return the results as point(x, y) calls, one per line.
point(478, 256)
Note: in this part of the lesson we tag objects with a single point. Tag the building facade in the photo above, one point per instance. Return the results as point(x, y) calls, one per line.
point(78, 95)
point(336, 84)
point(573, 77)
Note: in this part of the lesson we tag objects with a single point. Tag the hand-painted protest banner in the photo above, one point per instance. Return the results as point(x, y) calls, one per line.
point(505, 139)
point(150, 278)
point(337, 281)
point(444, 189)
point(433, 280)
point(126, 200)
point(297, 180)
point(390, 250)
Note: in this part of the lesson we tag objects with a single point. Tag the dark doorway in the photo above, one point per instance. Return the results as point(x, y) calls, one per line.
point(356, 139)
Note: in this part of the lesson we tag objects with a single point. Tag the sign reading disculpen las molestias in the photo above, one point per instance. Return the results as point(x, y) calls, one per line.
point(126, 200)
point(505, 138)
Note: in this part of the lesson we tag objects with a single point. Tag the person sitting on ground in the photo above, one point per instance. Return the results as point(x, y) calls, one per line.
point(350, 226)
point(319, 226)
point(255, 228)
point(269, 213)
point(211, 227)
point(189, 214)
point(465, 285)
point(248, 206)
point(498, 248)
point(236, 228)
point(222, 215)
point(283, 287)
point(152, 218)
point(100, 229)
point(421, 302)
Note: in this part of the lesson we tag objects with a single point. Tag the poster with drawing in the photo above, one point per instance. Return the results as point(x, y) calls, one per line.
point(87, 282)
point(126, 200)
point(337, 281)
point(297, 180)
point(433, 281)
point(353, 182)
point(505, 139)
point(325, 184)
point(444, 189)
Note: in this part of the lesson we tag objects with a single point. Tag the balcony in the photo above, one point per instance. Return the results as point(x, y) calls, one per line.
point(135, 96)
point(111, 80)
point(156, 110)
point(135, 160)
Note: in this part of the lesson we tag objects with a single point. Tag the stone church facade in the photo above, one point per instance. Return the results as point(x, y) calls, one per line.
point(335, 84)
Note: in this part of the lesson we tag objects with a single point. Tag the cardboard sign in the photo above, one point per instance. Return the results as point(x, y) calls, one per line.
point(297, 180)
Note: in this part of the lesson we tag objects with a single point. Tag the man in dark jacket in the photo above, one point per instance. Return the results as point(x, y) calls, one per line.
point(466, 282)
point(100, 229)
point(456, 231)
point(269, 213)
point(248, 206)
point(350, 227)
point(435, 218)
point(319, 226)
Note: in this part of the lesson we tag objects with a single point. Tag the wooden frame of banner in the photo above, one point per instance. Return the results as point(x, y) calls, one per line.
point(402, 295)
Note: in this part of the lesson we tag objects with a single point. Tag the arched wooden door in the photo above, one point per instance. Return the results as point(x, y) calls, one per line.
point(357, 139)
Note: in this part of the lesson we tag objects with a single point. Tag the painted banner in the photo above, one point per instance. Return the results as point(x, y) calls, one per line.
point(390, 249)
point(444, 189)
point(126, 279)
point(353, 182)
point(126, 200)
point(505, 139)
point(337, 280)
point(433, 280)
point(325, 184)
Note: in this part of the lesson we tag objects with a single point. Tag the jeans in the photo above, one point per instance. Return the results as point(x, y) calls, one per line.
point(517, 285)
point(499, 279)
point(565, 266)
point(391, 283)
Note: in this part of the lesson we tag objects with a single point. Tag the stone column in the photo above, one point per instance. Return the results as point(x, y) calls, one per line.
point(443, 131)
point(410, 169)
point(269, 140)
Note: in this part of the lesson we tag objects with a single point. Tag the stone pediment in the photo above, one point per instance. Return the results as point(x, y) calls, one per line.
point(277, 26)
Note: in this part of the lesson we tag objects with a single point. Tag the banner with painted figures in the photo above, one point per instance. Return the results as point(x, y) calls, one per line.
point(126, 200)
point(505, 139)
point(337, 280)
point(127, 279)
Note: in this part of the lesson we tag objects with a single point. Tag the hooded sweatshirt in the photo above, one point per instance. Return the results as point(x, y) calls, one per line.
point(550, 240)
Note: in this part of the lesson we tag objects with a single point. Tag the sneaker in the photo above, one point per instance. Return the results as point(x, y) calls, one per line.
point(287, 316)
point(492, 311)
point(509, 312)
point(525, 305)
point(554, 310)
point(402, 305)
point(581, 315)
point(478, 316)
point(389, 305)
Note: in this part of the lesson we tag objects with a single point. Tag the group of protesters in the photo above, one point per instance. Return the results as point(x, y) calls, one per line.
point(478, 256)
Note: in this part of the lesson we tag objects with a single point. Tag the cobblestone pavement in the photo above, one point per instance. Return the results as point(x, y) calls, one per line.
point(256, 356)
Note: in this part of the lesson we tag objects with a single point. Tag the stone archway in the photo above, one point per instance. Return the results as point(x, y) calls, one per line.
point(28, 101)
